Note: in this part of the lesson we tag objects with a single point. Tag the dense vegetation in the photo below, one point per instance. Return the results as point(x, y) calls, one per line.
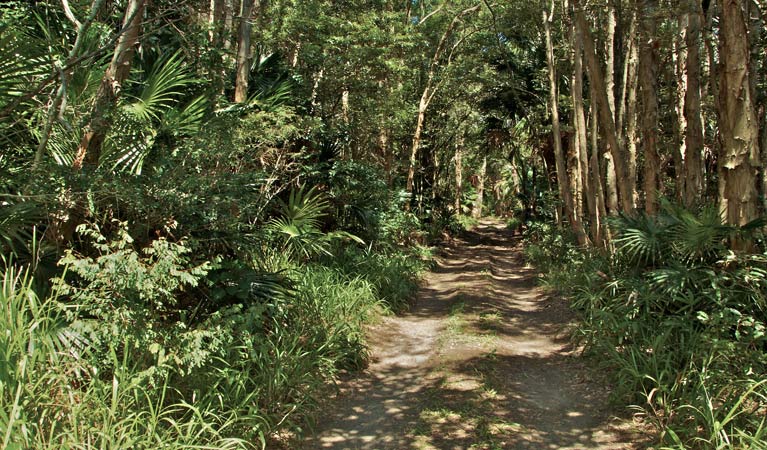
point(202, 204)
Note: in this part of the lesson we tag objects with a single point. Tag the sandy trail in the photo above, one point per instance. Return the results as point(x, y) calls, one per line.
point(482, 361)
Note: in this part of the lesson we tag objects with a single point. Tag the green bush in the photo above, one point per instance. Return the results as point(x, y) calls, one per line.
point(680, 318)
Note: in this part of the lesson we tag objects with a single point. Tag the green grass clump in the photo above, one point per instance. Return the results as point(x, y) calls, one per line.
point(52, 396)
point(393, 275)
point(466, 222)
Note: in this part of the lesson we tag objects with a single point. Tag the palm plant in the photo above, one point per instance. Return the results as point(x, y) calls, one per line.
point(154, 110)
point(24, 61)
point(299, 225)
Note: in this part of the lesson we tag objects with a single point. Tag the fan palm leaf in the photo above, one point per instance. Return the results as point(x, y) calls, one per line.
point(299, 224)
point(642, 238)
point(22, 59)
point(163, 86)
point(153, 111)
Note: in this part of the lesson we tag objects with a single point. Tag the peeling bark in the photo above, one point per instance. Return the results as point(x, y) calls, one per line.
point(739, 160)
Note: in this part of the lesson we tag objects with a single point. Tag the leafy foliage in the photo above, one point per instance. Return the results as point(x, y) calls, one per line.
point(681, 318)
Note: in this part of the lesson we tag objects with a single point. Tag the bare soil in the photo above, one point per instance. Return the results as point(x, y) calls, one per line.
point(481, 361)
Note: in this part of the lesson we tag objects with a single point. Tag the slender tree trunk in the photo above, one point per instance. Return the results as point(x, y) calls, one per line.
point(217, 20)
point(740, 153)
point(610, 56)
point(243, 51)
point(458, 173)
point(56, 109)
point(95, 131)
point(693, 160)
point(345, 106)
point(582, 144)
point(611, 185)
point(386, 152)
point(648, 77)
point(759, 78)
point(679, 149)
point(218, 13)
point(627, 107)
point(408, 9)
point(316, 89)
point(596, 171)
point(562, 176)
point(480, 200)
point(598, 87)
point(632, 121)
point(231, 7)
point(428, 93)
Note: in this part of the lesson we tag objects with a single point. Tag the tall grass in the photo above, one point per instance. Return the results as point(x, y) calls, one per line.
point(52, 398)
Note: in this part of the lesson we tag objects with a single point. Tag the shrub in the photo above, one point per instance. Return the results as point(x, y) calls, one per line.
point(680, 317)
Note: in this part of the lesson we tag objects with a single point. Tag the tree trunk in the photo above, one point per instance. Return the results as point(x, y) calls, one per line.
point(243, 52)
point(579, 125)
point(57, 101)
point(596, 171)
point(627, 110)
point(428, 93)
point(218, 14)
point(679, 149)
point(598, 87)
point(693, 160)
point(610, 56)
point(386, 153)
point(740, 151)
point(95, 131)
point(217, 21)
point(562, 176)
point(458, 173)
point(480, 200)
point(316, 89)
point(648, 77)
point(231, 7)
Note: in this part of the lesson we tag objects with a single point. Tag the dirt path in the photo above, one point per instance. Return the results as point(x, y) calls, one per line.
point(481, 361)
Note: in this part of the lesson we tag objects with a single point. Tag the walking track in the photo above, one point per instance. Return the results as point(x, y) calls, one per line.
point(482, 361)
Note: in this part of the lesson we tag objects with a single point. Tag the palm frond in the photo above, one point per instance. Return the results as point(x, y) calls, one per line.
point(187, 121)
point(641, 238)
point(17, 223)
point(22, 59)
point(299, 223)
point(163, 86)
point(697, 237)
point(304, 209)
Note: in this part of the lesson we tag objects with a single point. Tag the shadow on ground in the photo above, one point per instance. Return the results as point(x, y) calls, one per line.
point(481, 361)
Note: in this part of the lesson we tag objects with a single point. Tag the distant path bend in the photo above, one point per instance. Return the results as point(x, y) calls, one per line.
point(482, 361)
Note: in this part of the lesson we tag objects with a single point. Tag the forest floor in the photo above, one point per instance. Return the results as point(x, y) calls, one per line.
point(481, 361)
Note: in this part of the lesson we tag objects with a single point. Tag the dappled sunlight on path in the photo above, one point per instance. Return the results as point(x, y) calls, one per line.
point(481, 361)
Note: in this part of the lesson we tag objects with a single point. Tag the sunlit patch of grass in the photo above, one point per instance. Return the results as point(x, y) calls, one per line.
point(489, 318)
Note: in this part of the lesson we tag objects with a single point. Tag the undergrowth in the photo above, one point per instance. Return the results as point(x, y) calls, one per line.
point(147, 345)
point(677, 317)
